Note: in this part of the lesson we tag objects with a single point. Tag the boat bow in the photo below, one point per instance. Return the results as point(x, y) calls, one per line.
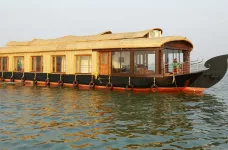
point(217, 68)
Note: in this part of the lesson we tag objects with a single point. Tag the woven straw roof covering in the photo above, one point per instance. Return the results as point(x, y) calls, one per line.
point(155, 42)
point(108, 35)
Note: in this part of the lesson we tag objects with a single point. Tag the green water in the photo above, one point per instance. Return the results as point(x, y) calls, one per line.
point(65, 118)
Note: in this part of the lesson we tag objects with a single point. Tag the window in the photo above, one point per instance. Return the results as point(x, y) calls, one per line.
point(37, 63)
point(155, 33)
point(83, 64)
point(19, 63)
point(59, 63)
point(4, 63)
point(144, 62)
point(120, 62)
point(104, 58)
point(169, 56)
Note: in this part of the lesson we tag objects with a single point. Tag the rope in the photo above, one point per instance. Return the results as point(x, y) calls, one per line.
point(154, 86)
point(92, 78)
point(99, 79)
point(129, 81)
point(174, 81)
point(109, 79)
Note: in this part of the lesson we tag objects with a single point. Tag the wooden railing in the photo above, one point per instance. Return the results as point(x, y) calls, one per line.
point(184, 67)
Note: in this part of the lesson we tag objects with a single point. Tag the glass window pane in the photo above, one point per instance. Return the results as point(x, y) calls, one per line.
point(106, 58)
point(170, 56)
point(116, 62)
point(38, 64)
point(144, 62)
point(58, 63)
point(83, 64)
point(120, 62)
point(5, 63)
point(151, 62)
point(102, 58)
point(33, 63)
point(53, 64)
point(125, 62)
point(170, 60)
point(18, 63)
point(176, 55)
point(181, 56)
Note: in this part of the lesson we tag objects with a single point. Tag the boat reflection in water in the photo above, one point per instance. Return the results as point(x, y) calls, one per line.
point(65, 118)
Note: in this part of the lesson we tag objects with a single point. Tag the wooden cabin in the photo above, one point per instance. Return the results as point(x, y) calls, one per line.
point(146, 53)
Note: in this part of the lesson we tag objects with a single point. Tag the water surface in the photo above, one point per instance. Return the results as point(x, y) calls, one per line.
point(65, 118)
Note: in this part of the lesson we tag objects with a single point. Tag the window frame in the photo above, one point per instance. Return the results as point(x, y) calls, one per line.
point(54, 66)
point(142, 61)
point(174, 51)
point(15, 59)
point(89, 66)
point(41, 63)
point(171, 52)
point(7, 63)
point(120, 63)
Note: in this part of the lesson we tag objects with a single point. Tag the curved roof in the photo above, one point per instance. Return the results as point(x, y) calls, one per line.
point(154, 42)
point(106, 32)
point(107, 35)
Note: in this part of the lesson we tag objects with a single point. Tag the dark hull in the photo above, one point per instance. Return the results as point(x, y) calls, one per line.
point(217, 68)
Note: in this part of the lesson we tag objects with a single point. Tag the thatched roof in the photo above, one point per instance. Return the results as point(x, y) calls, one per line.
point(107, 35)
point(155, 42)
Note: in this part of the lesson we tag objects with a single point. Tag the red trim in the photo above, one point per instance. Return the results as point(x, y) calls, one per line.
point(82, 86)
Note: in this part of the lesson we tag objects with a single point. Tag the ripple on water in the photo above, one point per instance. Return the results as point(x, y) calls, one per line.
point(64, 118)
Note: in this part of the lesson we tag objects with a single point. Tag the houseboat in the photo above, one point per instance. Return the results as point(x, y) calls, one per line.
point(137, 61)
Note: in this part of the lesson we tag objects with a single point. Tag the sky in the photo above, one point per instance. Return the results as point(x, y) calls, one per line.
point(204, 22)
